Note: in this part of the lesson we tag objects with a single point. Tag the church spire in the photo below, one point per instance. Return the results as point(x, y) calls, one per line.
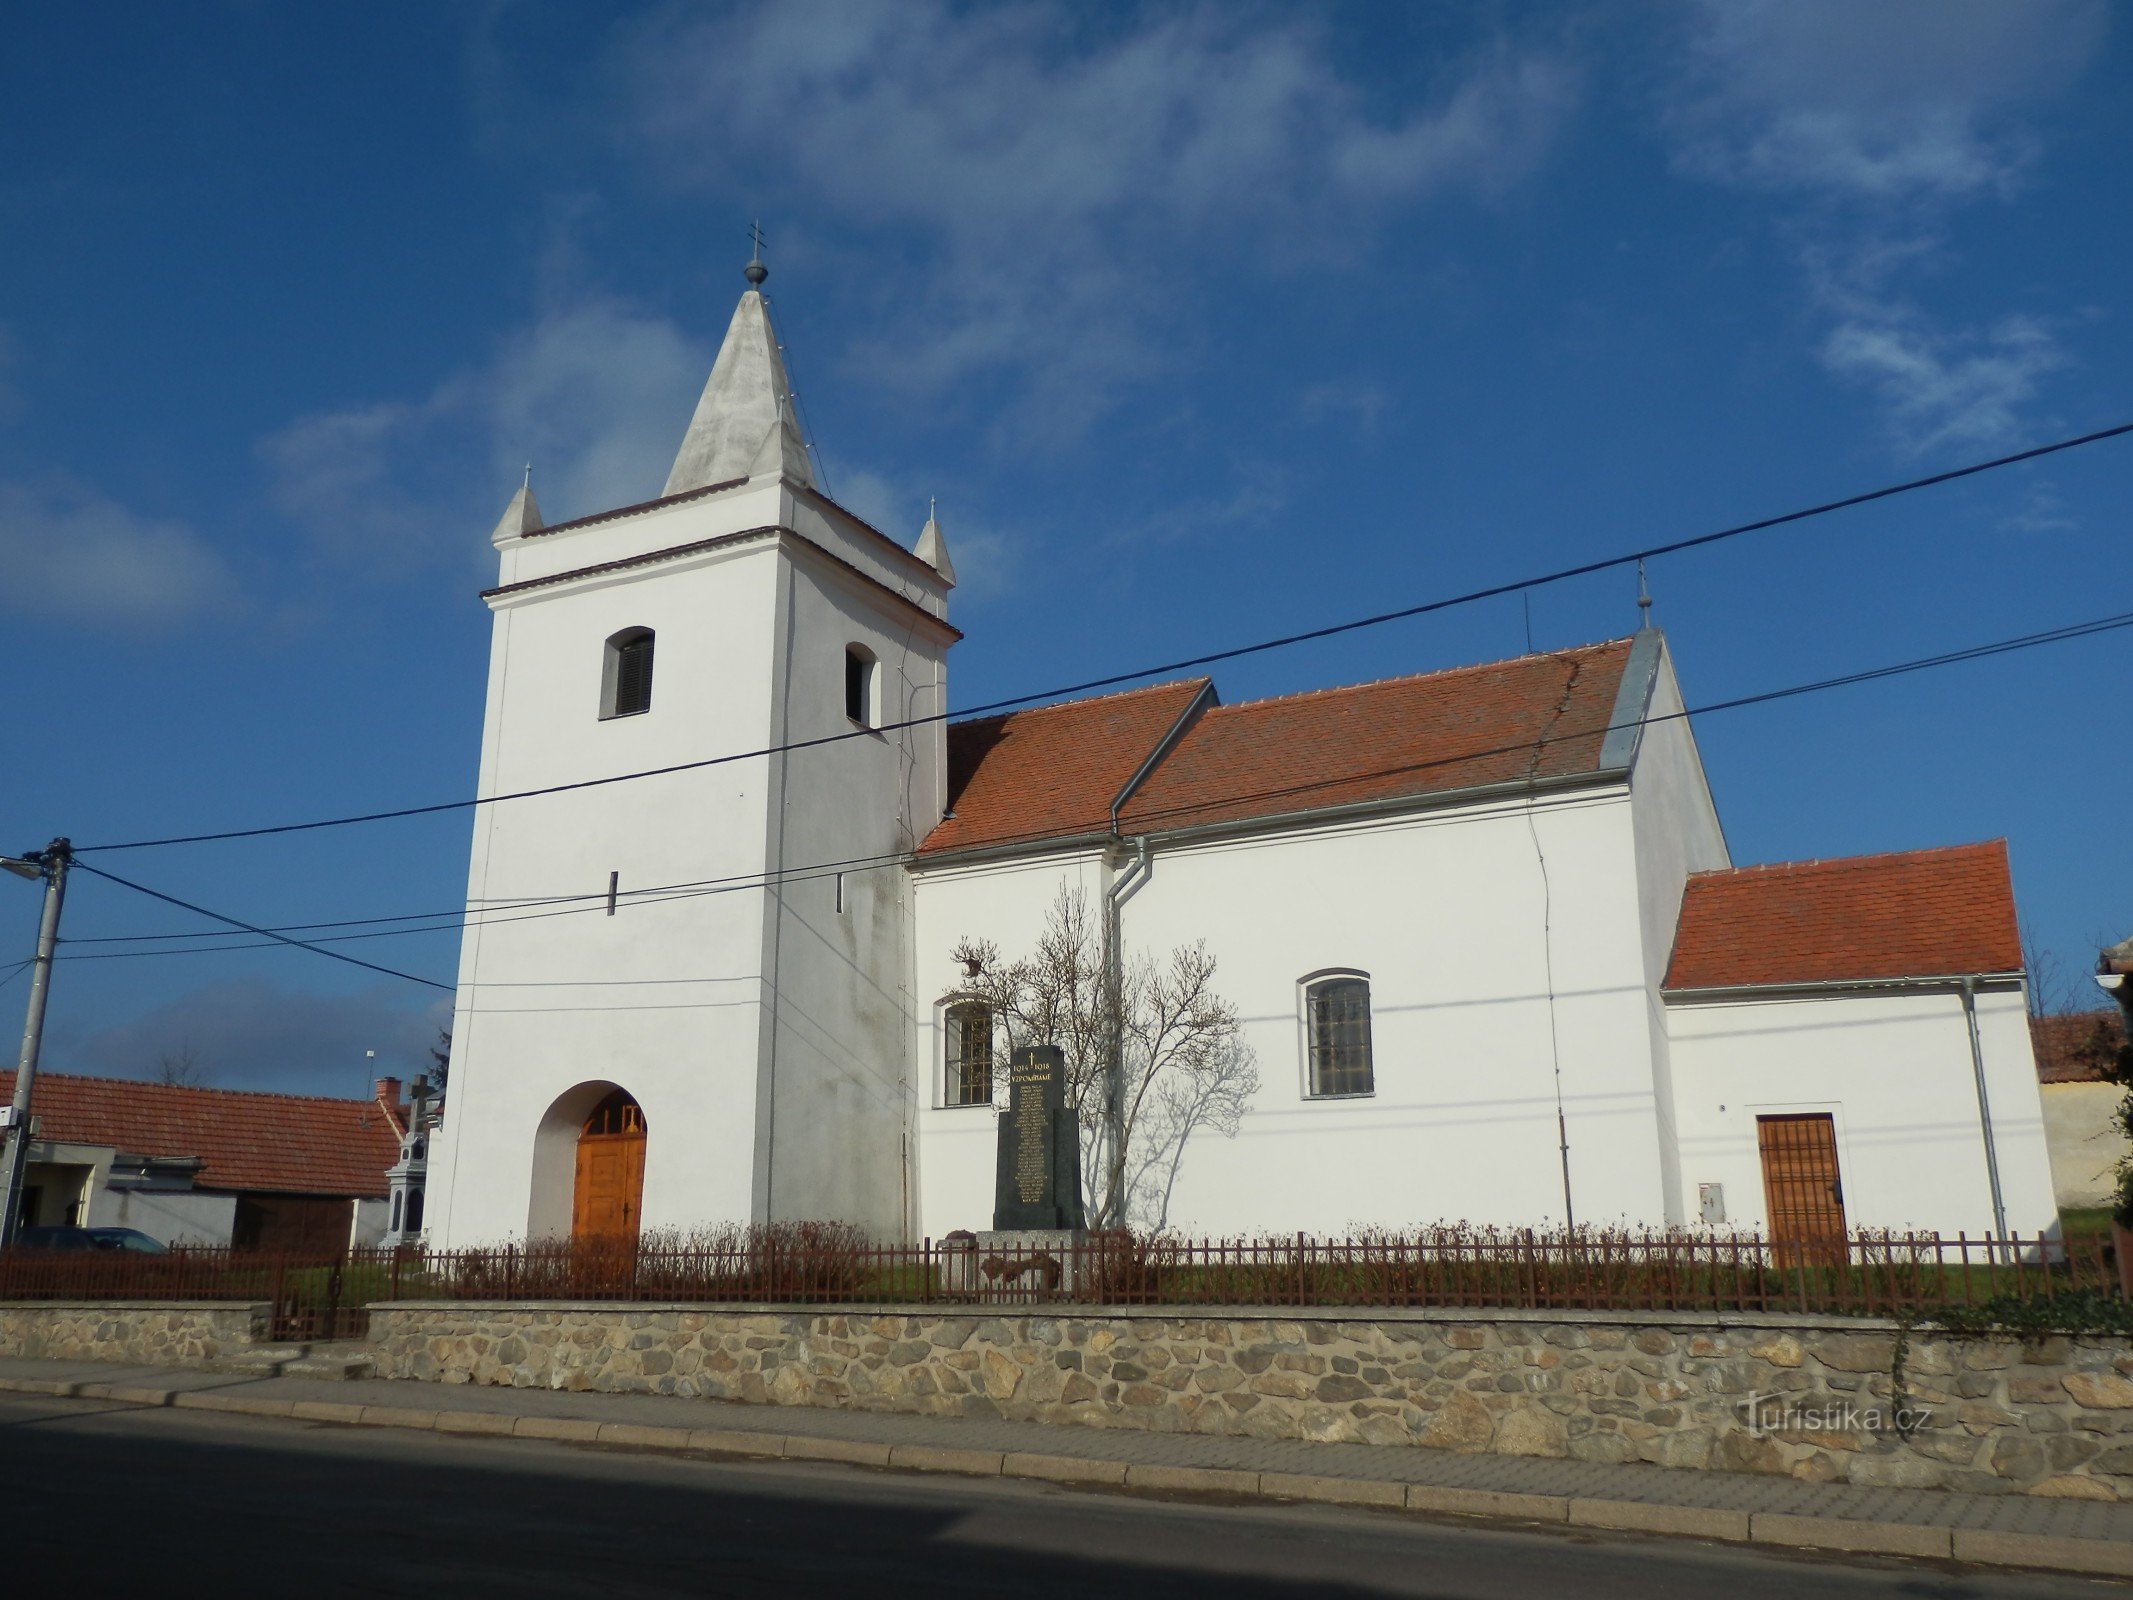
point(744, 424)
point(933, 548)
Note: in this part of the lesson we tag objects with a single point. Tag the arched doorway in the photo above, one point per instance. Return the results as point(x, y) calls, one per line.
point(607, 1196)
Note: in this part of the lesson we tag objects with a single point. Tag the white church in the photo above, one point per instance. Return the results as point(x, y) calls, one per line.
point(1491, 958)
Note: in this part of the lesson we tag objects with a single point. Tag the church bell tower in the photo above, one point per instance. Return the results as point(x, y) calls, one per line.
point(685, 984)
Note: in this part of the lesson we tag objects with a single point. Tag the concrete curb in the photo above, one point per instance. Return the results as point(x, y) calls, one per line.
point(2099, 1557)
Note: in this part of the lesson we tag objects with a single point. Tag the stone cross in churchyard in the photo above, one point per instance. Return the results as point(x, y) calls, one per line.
point(1038, 1184)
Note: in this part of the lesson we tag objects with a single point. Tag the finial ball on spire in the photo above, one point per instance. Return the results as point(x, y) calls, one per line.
point(755, 272)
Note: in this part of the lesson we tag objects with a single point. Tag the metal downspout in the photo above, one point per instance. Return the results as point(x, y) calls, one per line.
point(1984, 1108)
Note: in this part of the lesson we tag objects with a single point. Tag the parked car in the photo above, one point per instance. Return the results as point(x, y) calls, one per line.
point(129, 1239)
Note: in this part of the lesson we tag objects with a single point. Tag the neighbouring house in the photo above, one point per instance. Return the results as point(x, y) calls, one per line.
point(2075, 1053)
point(211, 1166)
point(1481, 925)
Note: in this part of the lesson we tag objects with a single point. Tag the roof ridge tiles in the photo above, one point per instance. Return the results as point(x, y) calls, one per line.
point(202, 1089)
point(1419, 677)
point(1872, 858)
point(631, 510)
point(1083, 700)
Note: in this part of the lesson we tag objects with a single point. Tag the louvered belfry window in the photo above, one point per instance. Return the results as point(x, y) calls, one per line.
point(629, 673)
point(1337, 1017)
point(969, 1030)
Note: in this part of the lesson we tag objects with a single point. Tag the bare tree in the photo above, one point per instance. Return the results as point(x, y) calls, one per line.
point(181, 1066)
point(1184, 1064)
point(2051, 992)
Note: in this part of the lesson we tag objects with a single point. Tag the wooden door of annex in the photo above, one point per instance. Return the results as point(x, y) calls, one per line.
point(1803, 1191)
point(610, 1176)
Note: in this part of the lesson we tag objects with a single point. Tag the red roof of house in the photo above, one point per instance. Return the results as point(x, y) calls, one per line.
point(2077, 1046)
point(1053, 772)
point(282, 1143)
point(1534, 717)
point(1920, 913)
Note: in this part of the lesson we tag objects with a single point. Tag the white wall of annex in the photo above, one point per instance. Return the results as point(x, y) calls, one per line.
point(1893, 1069)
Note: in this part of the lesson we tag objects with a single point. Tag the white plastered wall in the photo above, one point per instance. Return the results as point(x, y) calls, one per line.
point(1677, 832)
point(1893, 1069)
point(670, 998)
point(1445, 911)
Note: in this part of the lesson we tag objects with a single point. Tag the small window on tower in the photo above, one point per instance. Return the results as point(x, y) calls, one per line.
point(626, 674)
point(860, 672)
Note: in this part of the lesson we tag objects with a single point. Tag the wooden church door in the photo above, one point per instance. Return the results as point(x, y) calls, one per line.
point(610, 1181)
point(1802, 1190)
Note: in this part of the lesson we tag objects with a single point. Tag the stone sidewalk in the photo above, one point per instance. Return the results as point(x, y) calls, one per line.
point(2009, 1530)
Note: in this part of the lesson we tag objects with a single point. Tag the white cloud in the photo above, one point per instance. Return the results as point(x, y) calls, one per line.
point(1945, 388)
point(1065, 176)
point(594, 394)
point(1880, 120)
point(1890, 100)
point(68, 551)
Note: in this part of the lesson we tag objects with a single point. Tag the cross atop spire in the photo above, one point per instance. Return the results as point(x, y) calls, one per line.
point(755, 272)
point(744, 423)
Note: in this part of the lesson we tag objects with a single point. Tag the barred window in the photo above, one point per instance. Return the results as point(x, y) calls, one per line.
point(1337, 1027)
point(968, 1025)
point(626, 674)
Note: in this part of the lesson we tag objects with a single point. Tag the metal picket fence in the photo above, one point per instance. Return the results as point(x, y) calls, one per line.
point(315, 1297)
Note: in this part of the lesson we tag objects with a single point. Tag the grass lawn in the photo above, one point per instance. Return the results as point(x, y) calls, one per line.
point(2085, 1222)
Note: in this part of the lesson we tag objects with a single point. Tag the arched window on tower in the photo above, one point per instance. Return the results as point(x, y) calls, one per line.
point(626, 674)
point(862, 674)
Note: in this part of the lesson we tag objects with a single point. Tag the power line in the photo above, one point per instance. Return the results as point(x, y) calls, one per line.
point(1187, 663)
point(216, 916)
point(746, 881)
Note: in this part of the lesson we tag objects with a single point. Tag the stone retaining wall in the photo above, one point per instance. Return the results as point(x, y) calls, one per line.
point(172, 1334)
point(2052, 1418)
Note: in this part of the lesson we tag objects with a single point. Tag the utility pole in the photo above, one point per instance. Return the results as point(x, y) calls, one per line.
point(49, 864)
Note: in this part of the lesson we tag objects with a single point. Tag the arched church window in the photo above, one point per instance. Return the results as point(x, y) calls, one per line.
point(861, 692)
point(1337, 1033)
point(626, 674)
point(968, 1025)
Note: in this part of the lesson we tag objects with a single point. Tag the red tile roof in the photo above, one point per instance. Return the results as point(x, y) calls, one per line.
point(282, 1143)
point(1051, 772)
point(2078, 1046)
point(1921, 913)
point(1542, 716)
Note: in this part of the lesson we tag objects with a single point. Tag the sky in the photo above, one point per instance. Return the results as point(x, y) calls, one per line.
point(1202, 323)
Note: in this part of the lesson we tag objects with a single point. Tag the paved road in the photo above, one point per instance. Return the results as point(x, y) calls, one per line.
point(103, 1498)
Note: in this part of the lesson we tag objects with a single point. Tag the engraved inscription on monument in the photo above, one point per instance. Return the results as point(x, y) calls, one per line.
point(1039, 1176)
